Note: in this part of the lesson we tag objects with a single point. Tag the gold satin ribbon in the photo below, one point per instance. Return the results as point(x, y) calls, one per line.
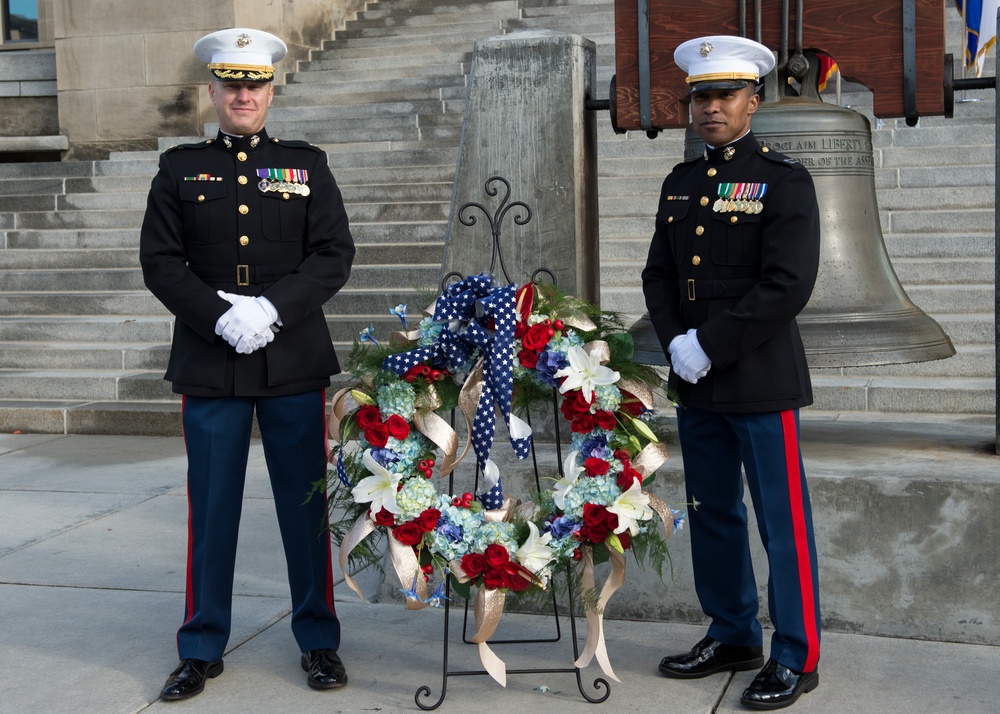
point(602, 348)
point(338, 410)
point(594, 647)
point(650, 458)
point(361, 529)
point(405, 563)
point(663, 510)
point(576, 318)
point(641, 390)
point(489, 607)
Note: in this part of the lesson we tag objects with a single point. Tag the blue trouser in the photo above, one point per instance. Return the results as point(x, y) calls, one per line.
point(714, 446)
point(217, 437)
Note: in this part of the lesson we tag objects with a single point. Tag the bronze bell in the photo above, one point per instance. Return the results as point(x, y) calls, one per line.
point(859, 314)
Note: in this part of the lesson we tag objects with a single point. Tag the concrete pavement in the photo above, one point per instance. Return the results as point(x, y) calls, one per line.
point(92, 542)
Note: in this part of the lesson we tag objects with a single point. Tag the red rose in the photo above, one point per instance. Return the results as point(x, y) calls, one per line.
point(518, 577)
point(606, 420)
point(593, 513)
point(595, 466)
point(408, 533)
point(580, 402)
point(367, 417)
point(537, 337)
point(496, 555)
point(582, 424)
point(627, 477)
point(631, 404)
point(384, 518)
point(528, 358)
point(626, 540)
point(398, 427)
point(428, 520)
point(622, 455)
point(597, 533)
point(494, 579)
point(377, 435)
point(611, 520)
point(520, 330)
point(473, 564)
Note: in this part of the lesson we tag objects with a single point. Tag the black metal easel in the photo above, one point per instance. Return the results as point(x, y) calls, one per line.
point(424, 692)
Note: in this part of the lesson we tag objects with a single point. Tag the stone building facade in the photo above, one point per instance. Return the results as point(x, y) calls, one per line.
point(105, 75)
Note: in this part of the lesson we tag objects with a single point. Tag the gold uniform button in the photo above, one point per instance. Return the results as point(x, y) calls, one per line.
point(242, 156)
point(670, 219)
point(201, 197)
point(244, 209)
point(244, 240)
point(700, 230)
point(243, 180)
point(285, 196)
point(696, 260)
point(712, 171)
point(704, 200)
point(764, 149)
point(733, 219)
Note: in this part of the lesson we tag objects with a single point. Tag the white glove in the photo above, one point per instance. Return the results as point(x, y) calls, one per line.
point(248, 317)
point(687, 358)
point(249, 343)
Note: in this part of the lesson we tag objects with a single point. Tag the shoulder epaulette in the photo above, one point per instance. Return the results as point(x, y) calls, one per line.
point(295, 143)
point(198, 145)
point(777, 157)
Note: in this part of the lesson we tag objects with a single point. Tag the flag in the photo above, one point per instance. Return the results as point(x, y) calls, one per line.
point(981, 30)
point(827, 68)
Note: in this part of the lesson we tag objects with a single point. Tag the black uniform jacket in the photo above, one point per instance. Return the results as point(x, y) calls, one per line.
point(737, 272)
point(209, 226)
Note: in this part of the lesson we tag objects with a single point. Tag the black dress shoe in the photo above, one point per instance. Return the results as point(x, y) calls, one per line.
point(189, 678)
point(324, 668)
point(710, 656)
point(777, 686)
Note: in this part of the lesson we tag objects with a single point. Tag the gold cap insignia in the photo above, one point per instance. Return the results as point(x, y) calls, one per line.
point(243, 40)
point(706, 49)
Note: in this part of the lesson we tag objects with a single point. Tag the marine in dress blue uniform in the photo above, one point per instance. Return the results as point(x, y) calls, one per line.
point(244, 239)
point(732, 262)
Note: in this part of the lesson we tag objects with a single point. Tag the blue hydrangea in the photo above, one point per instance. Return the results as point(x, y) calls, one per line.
point(490, 533)
point(595, 445)
point(562, 527)
point(396, 397)
point(416, 496)
point(601, 490)
point(461, 522)
point(550, 362)
point(430, 331)
point(608, 397)
point(410, 451)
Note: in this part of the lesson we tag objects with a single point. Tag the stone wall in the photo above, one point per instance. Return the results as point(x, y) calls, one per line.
point(127, 74)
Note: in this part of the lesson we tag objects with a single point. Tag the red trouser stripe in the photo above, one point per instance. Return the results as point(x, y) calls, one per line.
point(801, 539)
point(326, 536)
point(188, 586)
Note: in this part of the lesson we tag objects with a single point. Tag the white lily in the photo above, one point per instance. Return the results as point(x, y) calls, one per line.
point(631, 507)
point(379, 489)
point(535, 554)
point(564, 485)
point(585, 372)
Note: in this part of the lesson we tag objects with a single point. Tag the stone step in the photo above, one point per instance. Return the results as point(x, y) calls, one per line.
point(350, 301)
point(371, 90)
point(400, 70)
point(79, 259)
point(932, 299)
point(80, 219)
point(380, 127)
point(100, 332)
point(24, 186)
point(470, 29)
point(107, 279)
point(81, 356)
point(367, 176)
point(93, 239)
point(354, 111)
point(975, 361)
point(384, 10)
point(426, 62)
point(936, 395)
point(17, 171)
point(363, 156)
point(20, 204)
point(400, 48)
